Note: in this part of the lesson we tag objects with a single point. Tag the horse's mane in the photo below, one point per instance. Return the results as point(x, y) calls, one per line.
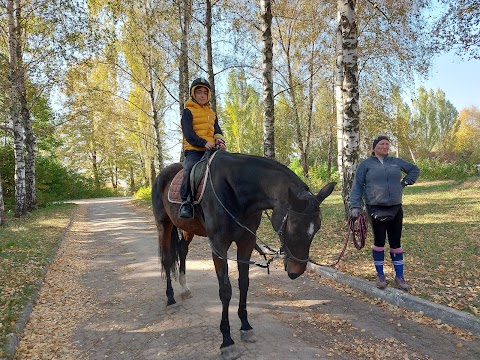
point(274, 165)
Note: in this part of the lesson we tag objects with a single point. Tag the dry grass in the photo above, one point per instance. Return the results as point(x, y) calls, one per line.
point(26, 247)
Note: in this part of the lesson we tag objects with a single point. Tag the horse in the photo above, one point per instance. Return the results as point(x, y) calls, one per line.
point(238, 188)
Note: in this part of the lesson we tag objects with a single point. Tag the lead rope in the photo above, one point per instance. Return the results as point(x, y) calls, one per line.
point(357, 228)
point(260, 251)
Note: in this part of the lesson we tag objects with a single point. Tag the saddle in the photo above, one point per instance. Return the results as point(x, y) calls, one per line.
point(198, 177)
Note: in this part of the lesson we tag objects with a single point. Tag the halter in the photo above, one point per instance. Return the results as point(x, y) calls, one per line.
point(280, 234)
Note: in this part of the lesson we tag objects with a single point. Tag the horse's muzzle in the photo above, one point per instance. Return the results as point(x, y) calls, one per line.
point(294, 269)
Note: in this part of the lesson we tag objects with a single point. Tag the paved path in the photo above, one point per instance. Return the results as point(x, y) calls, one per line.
point(103, 298)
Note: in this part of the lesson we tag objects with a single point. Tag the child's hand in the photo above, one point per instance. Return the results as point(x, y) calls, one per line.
point(220, 144)
point(209, 145)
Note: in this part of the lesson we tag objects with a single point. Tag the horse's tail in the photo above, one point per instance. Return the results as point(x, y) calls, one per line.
point(170, 258)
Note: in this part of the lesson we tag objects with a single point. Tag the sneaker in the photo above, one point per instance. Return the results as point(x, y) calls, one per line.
point(381, 282)
point(186, 210)
point(401, 284)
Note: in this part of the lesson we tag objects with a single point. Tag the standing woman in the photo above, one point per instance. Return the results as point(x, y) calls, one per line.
point(379, 179)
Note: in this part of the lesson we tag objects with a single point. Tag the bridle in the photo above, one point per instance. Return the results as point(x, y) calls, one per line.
point(281, 237)
point(280, 234)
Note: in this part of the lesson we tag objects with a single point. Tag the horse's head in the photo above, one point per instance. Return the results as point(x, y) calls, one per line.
point(296, 223)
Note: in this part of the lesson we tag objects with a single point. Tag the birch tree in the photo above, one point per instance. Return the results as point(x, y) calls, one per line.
point(15, 111)
point(350, 95)
point(457, 28)
point(267, 81)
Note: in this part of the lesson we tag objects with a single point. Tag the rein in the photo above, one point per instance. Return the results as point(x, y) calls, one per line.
point(357, 228)
point(217, 253)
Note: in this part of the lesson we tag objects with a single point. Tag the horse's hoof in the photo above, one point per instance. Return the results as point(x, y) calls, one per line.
point(171, 302)
point(230, 352)
point(186, 294)
point(248, 336)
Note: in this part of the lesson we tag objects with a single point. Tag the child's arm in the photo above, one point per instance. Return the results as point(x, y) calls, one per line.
point(187, 129)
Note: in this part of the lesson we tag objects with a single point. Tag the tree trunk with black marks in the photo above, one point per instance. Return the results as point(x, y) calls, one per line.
point(350, 96)
point(268, 104)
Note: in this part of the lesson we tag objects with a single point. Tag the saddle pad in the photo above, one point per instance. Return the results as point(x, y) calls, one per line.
point(174, 189)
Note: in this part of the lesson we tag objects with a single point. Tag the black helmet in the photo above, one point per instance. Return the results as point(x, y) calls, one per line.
point(199, 82)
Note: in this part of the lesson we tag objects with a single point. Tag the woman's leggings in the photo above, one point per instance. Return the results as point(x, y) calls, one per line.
point(392, 228)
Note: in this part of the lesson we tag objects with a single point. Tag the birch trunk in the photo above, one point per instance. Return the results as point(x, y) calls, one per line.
point(15, 110)
point(339, 93)
point(30, 141)
point(351, 109)
point(211, 75)
point(268, 104)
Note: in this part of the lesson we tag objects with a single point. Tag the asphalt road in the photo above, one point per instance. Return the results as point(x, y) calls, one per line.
point(104, 298)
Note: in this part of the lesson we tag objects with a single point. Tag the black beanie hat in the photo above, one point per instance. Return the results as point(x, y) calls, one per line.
point(378, 139)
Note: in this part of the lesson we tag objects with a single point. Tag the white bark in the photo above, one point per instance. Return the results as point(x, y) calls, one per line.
point(15, 110)
point(339, 94)
point(268, 104)
point(350, 95)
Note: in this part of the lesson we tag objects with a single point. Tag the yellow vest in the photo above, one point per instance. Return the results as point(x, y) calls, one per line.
point(203, 123)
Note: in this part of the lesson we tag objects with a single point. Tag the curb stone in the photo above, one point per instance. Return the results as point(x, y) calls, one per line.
point(400, 298)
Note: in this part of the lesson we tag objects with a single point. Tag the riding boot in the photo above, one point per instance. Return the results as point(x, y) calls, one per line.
point(186, 209)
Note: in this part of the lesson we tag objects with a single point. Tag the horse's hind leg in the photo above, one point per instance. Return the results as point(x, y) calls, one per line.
point(168, 248)
point(185, 241)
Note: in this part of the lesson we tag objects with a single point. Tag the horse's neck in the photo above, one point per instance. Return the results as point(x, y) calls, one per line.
point(264, 188)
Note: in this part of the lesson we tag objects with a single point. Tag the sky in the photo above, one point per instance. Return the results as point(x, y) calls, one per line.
point(458, 79)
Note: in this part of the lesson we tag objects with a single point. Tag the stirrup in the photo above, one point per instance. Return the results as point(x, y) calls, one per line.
point(186, 210)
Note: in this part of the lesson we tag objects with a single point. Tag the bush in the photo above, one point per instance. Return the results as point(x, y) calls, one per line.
point(144, 193)
point(54, 182)
point(434, 169)
point(318, 175)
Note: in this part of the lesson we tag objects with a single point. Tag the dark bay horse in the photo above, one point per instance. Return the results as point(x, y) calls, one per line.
point(238, 188)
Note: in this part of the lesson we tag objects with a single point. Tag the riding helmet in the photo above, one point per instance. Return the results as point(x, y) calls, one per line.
point(199, 82)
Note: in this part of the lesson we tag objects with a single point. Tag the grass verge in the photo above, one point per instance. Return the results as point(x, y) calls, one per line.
point(27, 245)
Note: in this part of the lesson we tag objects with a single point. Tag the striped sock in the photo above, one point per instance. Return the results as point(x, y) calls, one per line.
point(397, 260)
point(378, 259)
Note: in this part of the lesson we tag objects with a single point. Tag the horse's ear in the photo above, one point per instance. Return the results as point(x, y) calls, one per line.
point(325, 192)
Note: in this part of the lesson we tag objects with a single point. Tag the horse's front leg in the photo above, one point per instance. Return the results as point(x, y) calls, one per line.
point(243, 257)
point(185, 241)
point(227, 348)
